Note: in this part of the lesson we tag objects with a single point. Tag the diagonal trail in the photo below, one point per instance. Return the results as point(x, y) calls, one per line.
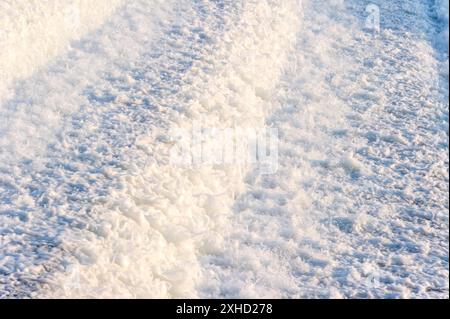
point(94, 208)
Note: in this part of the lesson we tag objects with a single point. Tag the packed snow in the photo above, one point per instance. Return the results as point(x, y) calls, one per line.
point(93, 93)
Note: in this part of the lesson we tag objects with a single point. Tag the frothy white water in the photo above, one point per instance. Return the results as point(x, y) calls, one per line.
point(32, 32)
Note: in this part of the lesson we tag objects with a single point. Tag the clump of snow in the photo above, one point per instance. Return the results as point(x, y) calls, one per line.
point(351, 165)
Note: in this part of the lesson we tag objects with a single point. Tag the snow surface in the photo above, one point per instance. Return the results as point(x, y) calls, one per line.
point(442, 11)
point(359, 206)
point(91, 205)
point(34, 31)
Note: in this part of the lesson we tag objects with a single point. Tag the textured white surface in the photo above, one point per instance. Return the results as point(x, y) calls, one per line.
point(91, 206)
point(442, 10)
point(359, 206)
point(32, 32)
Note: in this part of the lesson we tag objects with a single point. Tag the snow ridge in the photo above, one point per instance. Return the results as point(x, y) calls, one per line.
point(147, 237)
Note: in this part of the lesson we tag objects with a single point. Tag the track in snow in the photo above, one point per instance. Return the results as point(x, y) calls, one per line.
point(90, 205)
